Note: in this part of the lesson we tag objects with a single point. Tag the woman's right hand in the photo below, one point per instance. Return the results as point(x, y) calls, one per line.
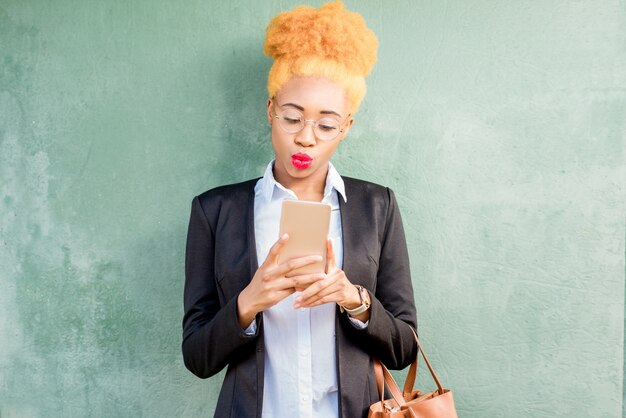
point(270, 284)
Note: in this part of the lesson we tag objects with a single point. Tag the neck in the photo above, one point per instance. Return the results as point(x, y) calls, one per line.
point(310, 188)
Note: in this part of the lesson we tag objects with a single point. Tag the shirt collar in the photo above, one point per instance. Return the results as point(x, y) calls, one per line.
point(333, 182)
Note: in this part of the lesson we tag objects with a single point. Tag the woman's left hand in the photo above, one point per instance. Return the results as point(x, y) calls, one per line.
point(335, 287)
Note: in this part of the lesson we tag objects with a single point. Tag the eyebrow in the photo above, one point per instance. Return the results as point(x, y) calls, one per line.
point(301, 109)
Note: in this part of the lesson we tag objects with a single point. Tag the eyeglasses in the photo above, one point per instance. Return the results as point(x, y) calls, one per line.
point(292, 121)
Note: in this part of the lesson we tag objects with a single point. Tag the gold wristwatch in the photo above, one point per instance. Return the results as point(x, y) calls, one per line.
point(365, 304)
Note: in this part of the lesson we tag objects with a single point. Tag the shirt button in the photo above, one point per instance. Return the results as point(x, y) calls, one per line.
point(303, 353)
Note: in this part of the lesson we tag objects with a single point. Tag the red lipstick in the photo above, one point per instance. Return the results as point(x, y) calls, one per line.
point(301, 161)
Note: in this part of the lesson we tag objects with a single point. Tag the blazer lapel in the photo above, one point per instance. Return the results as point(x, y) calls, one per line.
point(356, 232)
point(254, 263)
point(352, 380)
point(348, 234)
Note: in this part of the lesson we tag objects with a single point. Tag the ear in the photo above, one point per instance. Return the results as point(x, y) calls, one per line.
point(347, 127)
point(269, 111)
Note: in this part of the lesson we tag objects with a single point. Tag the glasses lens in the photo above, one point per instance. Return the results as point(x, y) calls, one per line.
point(291, 121)
point(327, 129)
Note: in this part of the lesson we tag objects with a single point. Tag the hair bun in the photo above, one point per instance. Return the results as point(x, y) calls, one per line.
point(330, 33)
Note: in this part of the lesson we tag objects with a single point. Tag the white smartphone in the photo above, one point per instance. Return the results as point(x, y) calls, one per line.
point(307, 224)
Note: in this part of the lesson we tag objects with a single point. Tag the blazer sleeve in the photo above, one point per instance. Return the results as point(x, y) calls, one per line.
point(212, 336)
point(388, 335)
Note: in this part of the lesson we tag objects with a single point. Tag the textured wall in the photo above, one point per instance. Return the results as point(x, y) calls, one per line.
point(499, 124)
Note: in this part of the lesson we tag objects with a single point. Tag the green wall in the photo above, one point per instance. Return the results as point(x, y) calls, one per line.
point(499, 124)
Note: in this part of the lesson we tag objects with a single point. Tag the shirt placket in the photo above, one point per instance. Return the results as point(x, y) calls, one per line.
point(305, 381)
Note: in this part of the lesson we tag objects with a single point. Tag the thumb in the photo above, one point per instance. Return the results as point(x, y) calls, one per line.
point(274, 253)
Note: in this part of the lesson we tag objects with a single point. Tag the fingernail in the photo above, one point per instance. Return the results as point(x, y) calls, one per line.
point(296, 306)
point(298, 299)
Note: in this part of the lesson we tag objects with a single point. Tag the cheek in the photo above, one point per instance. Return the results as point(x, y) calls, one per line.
point(331, 149)
point(274, 136)
point(279, 140)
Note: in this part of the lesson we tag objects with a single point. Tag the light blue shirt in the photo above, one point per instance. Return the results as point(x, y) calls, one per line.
point(300, 378)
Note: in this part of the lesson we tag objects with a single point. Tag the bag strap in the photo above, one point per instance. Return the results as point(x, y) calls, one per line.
point(380, 383)
point(410, 378)
point(384, 376)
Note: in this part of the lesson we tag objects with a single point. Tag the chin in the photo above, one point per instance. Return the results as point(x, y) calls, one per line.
point(296, 173)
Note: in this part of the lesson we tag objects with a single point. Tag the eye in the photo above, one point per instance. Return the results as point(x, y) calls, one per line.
point(291, 117)
point(292, 120)
point(328, 125)
point(327, 128)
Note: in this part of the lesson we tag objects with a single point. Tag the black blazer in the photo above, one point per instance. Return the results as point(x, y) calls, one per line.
point(221, 261)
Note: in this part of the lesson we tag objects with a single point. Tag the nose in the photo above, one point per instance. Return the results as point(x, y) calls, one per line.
point(306, 137)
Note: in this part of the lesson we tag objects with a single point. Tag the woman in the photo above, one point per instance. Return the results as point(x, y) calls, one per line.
point(301, 346)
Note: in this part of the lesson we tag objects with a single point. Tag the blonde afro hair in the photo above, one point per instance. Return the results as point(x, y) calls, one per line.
point(329, 42)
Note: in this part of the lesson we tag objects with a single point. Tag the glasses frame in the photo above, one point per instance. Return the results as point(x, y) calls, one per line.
point(313, 122)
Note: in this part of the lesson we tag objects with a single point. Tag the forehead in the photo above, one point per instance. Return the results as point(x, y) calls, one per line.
point(314, 94)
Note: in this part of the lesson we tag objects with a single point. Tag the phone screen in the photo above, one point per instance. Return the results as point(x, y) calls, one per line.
point(307, 224)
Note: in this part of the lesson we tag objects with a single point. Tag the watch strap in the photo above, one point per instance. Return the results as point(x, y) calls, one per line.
point(365, 305)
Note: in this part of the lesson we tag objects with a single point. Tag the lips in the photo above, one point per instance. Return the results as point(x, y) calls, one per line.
point(301, 161)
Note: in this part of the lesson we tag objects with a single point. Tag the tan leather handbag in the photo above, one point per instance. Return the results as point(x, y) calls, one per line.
point(410, 403)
